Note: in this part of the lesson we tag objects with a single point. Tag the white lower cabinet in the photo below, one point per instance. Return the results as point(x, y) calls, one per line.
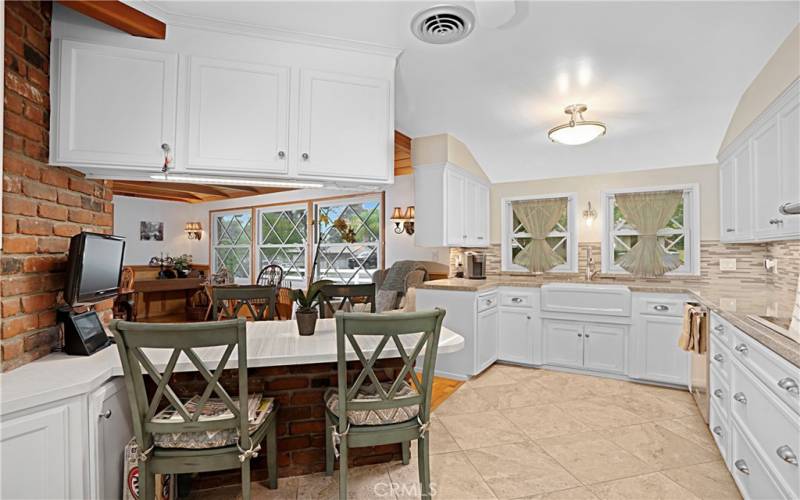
point(660, 358)
point(110, 429)
point(42, 452)
point(756, 426)
point(487, 338)
point(515, 335)
point(575, 344)
point(48, 450)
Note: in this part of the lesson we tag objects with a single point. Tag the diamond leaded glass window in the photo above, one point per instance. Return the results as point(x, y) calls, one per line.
point(231, 244)
point(349, 235)
point(282, 241)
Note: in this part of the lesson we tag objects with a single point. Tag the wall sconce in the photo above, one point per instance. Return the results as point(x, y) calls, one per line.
point(194, 230)
point(590, 214)
point(403, 222)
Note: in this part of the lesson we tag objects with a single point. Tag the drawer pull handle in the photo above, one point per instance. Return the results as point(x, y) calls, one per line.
point(789, 384)
point(661, 307)
point(741, 348)
point(106, 414)
point(719, 328)
point(718, 393)
point(739, 397)
point(742, 466)
point(719, 358)
point(516, 300)
point(787, 455)
point(718, 431)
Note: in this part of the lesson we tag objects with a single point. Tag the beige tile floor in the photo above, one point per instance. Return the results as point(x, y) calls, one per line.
point(540, 434)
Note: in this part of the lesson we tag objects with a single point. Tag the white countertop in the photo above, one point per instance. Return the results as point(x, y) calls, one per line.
point(269, 343)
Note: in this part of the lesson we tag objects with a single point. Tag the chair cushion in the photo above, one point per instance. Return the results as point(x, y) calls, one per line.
point(378, 416)
point(259, 409)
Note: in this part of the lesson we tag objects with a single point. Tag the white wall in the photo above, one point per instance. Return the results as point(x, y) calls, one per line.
point(128, 212)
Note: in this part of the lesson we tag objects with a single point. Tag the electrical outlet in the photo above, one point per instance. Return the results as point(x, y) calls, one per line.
point(771, 265)
point(727, 264)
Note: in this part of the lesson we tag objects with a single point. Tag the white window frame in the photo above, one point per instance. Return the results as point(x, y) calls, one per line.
point(507, 218)
point(691, 230)
point(260, 238)
point(214, 246)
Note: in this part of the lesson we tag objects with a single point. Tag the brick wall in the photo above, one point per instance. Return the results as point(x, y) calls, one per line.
point(301, 416)
point(42, 206)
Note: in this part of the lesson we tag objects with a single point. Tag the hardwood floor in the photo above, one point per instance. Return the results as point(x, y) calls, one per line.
point(443, 388)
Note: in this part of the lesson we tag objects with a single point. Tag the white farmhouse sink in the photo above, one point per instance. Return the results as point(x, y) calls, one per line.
point(586, 298)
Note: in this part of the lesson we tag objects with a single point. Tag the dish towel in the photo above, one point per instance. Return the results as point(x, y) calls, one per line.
point(694, 336)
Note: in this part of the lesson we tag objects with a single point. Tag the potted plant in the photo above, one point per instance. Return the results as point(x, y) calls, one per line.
point(182, 265)
point(306, 313)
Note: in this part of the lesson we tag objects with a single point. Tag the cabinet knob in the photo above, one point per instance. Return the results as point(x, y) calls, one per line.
point(739, 397)
point(106, 414)
point(528, 317)
point(719, 358)
point(741, 348)
point(167, 156)
point(661, 307)
point(718, 393)
point(580, 335)
point(480, 237)
point(789, 384)
point(586, 335)
point(742, 466)
point(787, 455)
point(304, 156)
point(281, 154)
point(717, 430)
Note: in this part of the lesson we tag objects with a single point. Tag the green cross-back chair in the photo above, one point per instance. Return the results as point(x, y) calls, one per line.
point(346, 294)
point(382, 413)
point(188, 445)
point(229, 300)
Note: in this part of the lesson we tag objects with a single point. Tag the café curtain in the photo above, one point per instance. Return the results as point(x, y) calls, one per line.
point(648, 213)
point(538, 217)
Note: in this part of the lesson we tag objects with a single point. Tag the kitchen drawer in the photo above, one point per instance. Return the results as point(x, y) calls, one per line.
point(749, 472)
point(661, 307)
point(487, 301)
point(721, 330)
point(782, 378)
point(719, 426)
point(515, 299)
point(720, 358)
point(772, 427)
point(719, 390)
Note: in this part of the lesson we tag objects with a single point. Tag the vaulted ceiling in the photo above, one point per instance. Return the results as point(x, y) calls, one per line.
point(665, 76)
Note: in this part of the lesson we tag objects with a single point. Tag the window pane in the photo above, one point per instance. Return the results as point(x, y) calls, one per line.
point(283, 241)
point(558, 238)
point(349, 241)
point(231, 245)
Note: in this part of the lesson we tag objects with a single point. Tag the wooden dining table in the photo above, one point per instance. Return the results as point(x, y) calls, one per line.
point(145, 289)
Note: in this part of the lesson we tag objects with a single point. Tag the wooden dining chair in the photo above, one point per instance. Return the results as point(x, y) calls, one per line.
point(334, 297)
point(259, 301)
point(368, 412)
point(125, 302)
point(270, 275)
point(186, 442)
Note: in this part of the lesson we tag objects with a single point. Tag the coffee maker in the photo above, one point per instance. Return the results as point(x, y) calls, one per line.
point(476, 266)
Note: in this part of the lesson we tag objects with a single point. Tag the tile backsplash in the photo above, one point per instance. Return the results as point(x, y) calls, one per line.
point(749, 263)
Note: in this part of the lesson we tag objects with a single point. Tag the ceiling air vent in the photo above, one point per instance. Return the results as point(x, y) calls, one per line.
point(443, 24)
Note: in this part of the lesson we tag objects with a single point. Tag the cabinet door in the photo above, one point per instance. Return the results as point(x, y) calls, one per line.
point(346, 127)
point(110, 429)
point(663, 360)
point(727, 193)
point(487, 338)
point(42, 454)
point(789, 122)
point(766, 180)
point(514, 335)
point(743, 195)
point(455, 189)
point(480, 220)
point(604, 347)
point(115, 106)
point(563, 343)
point(237, 116)
point(469, 212)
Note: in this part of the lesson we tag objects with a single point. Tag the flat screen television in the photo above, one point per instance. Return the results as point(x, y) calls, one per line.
point(93, 268)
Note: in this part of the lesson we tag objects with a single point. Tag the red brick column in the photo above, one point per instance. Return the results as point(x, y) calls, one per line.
point(42, 206)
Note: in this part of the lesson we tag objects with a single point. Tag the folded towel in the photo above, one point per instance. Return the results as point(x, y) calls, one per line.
point(694, 335)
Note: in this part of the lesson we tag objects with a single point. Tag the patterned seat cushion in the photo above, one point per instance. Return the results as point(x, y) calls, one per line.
point(376, 417)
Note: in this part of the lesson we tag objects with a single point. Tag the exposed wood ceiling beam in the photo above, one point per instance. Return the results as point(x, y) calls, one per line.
point(121, 16)
point(179, 187)
point(402, 154)
point(156, 190)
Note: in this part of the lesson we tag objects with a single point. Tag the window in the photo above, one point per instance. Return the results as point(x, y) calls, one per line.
point(282, 241)
point(562, 239)
point(231, 244)
point(680, 237)
point(349, 235)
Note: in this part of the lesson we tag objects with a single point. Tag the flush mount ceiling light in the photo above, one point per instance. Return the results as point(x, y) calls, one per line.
point(576, 132)
point(443, 24)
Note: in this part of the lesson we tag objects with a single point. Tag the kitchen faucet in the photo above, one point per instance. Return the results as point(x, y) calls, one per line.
point(590, 270)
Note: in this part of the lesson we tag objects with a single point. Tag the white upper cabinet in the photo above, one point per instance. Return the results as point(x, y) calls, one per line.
point(452, 207)
point(760, 171)
point(346, 127)
point(237, 116)
point(228, 102)
point(115, 106)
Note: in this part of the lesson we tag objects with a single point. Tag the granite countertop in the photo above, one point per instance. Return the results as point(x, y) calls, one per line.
point(732, 301)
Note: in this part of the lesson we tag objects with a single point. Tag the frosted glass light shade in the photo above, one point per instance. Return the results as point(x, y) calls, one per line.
point(577, 133)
